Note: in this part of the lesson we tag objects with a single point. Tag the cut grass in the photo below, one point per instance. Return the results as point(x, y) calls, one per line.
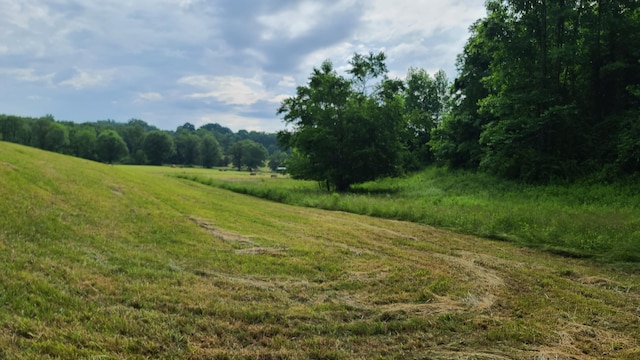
point(126, 263)
point(581, 220)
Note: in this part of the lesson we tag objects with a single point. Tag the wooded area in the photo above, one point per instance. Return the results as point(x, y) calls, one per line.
point(545, 91)
point(139, 143)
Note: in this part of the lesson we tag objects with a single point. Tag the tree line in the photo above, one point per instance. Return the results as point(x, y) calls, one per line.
point(136, 142)
point(546, 91)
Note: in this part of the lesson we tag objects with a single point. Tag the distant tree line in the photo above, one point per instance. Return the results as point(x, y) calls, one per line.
point(136, 142)
point(546, 91)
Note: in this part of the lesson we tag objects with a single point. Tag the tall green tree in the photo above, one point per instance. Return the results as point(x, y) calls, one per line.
point(56, 138)
point(255, 154)
point(83, 143)
point(210, 151)
point(187, 144)
point(248, 153)
point(344, 131)
point(39, 129)
point(110, 147)
point(133, 133)
point(456, 140)
point(158, 147)
point(425, 100)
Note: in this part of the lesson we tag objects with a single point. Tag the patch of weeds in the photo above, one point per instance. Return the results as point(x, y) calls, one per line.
point(441, 286)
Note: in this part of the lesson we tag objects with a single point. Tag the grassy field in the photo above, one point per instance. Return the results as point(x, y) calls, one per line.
point(115, 262)
point(600, 221)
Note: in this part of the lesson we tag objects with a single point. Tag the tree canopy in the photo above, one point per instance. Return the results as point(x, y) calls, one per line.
point(110, 146)
point(248, 153)
point(345, 131)
point(547, 90)
point(158, 146)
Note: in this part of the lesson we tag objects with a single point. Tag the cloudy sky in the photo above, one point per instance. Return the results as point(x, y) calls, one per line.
point(227, 61)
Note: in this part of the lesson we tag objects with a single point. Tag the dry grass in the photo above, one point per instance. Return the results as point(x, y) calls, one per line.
point(124, 262)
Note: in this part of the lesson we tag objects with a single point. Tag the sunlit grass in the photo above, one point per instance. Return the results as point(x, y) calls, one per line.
point(580, 220)
point(121, 262)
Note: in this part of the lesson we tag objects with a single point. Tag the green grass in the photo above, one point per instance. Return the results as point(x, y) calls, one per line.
point(117, 262)
point(580, 220)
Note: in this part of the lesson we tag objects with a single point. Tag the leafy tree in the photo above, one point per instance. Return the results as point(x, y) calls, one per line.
point(248, 153)
point(425, 99)
point(210, 151)
point(56, 138)
point(84, 143)
point(110, 146)
point(39, 129)
point(187, 127)
point(223, 135)
point(342, 134)
point(187, 148)
point(254, 155)
point(456, 140)
point(158, 147)
point(133, 134)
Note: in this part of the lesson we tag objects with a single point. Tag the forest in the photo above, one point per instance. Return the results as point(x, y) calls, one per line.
point(546, 91)
point(138, 143)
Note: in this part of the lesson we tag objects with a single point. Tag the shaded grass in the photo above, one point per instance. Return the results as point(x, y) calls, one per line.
point(587, 220)
point(125, 263)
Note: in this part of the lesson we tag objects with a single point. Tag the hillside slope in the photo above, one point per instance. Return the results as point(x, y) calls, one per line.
point(118, 262)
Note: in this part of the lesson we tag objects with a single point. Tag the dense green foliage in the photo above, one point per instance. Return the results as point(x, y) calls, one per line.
point(350, 130)
point(210, 151)
point(207, 146)
point(582, 220)
point(248, 153)
point(110, 146)
point(159, 147)
point(547, 90)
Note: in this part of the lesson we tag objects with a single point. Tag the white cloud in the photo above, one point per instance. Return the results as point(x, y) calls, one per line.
point(385, 21)
point(28, 75)
point(253, 53)
point(147, 97)
point(84, 79)
point(230, 90)
point(287, 81)
point(293, 22)
point(279, 98)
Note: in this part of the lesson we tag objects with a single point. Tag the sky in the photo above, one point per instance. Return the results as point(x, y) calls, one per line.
point(230, 62)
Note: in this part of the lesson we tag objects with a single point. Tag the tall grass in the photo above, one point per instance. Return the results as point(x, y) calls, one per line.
point(593, 220)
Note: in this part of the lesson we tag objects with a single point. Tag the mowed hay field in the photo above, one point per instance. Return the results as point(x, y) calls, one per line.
point(116, 262)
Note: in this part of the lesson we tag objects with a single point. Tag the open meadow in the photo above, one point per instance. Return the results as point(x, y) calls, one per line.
point(585, 220)
point(124, 262)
